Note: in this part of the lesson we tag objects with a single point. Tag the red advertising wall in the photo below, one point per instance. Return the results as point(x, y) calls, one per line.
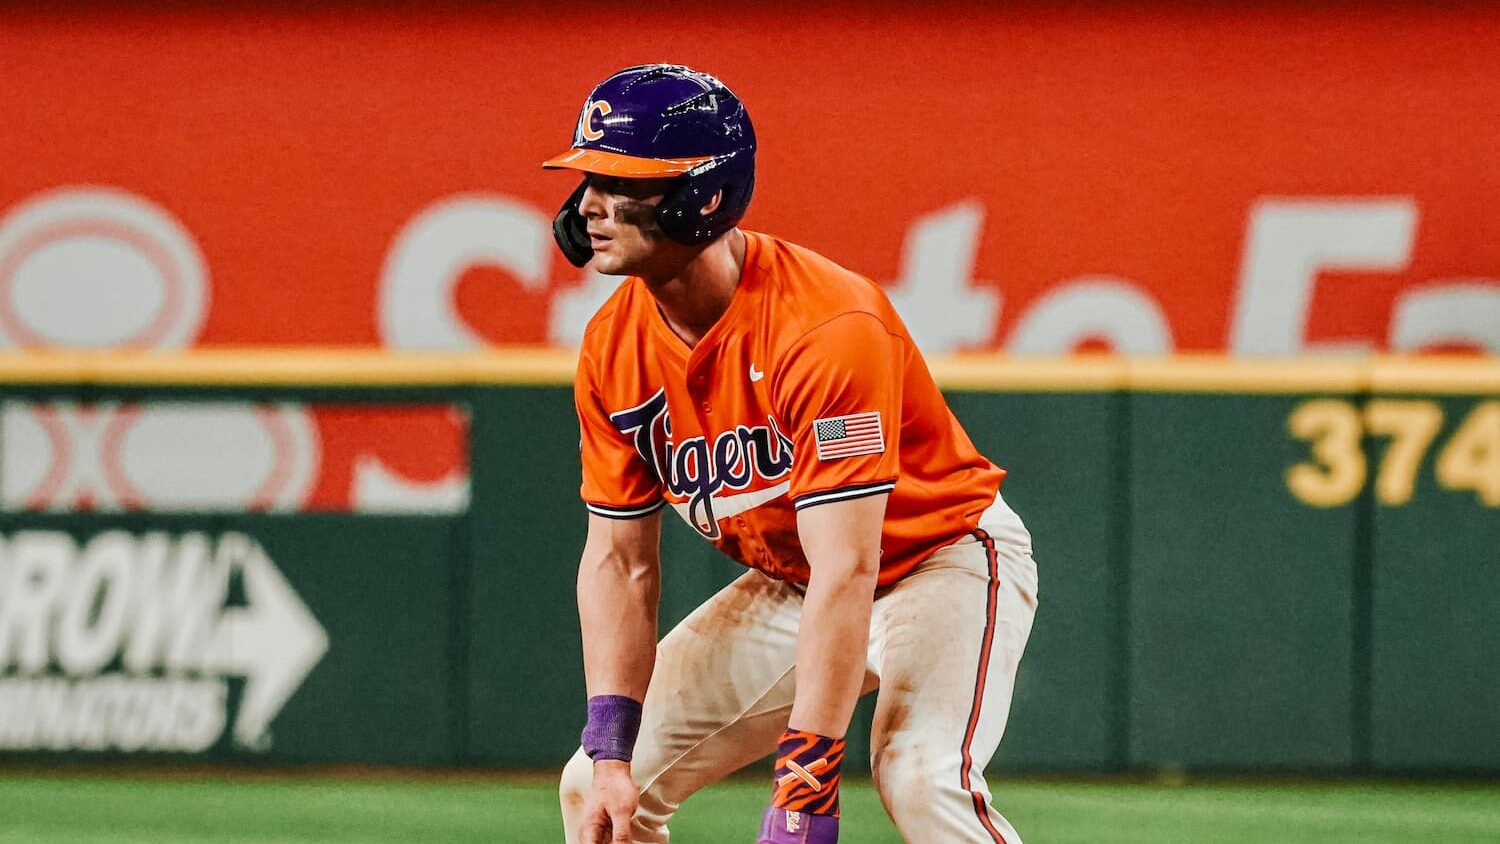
point(1251, 178)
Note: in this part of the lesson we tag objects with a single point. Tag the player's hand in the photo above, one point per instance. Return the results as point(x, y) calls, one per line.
point(610, 806)
point(780, 826)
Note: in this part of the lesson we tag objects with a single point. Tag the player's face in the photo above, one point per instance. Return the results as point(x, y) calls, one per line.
point(621, 217)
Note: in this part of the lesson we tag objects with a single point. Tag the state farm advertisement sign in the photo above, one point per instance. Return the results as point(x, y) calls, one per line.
point(1253, 179)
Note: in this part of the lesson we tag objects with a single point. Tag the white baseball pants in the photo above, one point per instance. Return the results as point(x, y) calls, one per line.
point(945, 643)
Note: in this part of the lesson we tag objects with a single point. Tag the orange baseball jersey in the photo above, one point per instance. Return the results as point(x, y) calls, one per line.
point(807, 390)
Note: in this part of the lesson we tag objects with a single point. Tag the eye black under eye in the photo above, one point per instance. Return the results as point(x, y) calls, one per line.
point(629, 188)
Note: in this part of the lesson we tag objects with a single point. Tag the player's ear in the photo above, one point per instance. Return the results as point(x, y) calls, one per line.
point(713, 204)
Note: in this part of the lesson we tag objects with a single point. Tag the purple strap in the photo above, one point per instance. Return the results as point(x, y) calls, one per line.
point(779, 826)
point(614, 722)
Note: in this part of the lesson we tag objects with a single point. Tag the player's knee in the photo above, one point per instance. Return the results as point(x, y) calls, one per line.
point(905, 775)
point(577, 779)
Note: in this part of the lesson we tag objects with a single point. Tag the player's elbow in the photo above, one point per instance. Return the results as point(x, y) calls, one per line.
point(614, 571)
point(852, 569)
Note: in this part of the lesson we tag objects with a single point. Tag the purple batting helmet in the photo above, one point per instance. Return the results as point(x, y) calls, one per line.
point(663, 121)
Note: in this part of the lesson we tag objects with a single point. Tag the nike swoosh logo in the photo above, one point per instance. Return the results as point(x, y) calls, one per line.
point(732, 505)
point(755, 374)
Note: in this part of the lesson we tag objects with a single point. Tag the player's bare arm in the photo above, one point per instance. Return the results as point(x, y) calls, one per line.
point(619, 589)
point(842, 543)
point(841, 540)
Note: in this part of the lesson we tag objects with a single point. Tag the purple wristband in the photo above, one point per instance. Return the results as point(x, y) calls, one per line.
point(614, 722)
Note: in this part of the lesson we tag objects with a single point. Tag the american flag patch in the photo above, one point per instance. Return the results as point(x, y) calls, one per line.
point(848, 436)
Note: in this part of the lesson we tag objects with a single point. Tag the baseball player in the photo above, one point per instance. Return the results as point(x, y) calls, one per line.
point(775, 401)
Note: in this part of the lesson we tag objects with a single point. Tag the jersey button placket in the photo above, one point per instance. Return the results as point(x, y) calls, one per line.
point(698, 385)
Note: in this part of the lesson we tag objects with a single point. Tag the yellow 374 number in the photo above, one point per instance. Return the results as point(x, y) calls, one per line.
point(1338, 468)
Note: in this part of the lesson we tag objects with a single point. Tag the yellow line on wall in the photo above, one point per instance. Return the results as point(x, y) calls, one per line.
point(1201, 374)
point(991, 372)
point(363, 367)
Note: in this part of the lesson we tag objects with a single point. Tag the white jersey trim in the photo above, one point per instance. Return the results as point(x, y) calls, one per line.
point(624, 512)
point(843, 494)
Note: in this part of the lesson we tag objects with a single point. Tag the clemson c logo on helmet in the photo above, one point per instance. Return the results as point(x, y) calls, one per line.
point(586, 125)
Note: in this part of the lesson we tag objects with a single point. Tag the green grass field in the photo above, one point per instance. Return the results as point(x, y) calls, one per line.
point(152, 808)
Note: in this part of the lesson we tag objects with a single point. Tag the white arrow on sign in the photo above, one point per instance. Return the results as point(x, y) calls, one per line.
point(273, 642)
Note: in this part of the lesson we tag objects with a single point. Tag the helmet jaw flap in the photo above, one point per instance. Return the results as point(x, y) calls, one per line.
point(570, 229)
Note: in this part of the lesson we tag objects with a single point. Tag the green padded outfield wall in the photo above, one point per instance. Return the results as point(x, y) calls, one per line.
point(1241, 599)
point(1068, 708)
point(1435, 602)
point(1236, 574)
point(526, 694)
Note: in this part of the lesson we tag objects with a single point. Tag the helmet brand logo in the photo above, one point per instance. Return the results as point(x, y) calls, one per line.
point(586, 123)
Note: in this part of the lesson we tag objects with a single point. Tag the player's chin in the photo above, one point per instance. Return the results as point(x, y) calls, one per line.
point(606, 262)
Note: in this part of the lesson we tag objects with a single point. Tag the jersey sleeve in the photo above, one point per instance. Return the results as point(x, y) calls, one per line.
point(838, 392)
point(618, 483)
